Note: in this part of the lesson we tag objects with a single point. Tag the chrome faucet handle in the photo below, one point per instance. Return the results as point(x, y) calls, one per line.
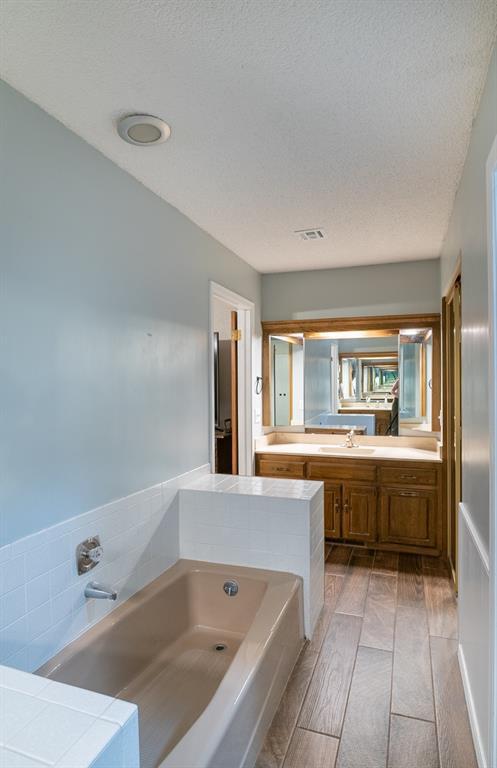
point(88, 554)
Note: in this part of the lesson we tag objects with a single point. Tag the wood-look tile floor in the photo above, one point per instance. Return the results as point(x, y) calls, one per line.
point(379, 684)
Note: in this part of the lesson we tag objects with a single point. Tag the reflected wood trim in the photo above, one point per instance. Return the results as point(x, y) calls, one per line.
point(372, 322)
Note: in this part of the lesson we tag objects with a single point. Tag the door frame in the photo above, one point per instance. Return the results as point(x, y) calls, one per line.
point(491, 185)
point(451, 364)
point(245, 309)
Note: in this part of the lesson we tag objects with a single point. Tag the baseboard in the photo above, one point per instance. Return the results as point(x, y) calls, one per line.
point(473, 720)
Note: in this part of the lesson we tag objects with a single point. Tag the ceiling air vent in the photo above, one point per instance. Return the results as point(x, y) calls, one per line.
point(310, 234)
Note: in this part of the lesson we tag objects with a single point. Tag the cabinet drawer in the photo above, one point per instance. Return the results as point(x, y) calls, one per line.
point(328, 470)
point(407, 476)
point(282, 468)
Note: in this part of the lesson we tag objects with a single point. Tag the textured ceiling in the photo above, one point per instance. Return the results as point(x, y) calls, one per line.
point(350, 115)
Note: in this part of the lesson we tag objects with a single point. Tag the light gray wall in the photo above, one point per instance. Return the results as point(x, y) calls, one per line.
point(104, 326)
point(467, 235)
point(383, 289)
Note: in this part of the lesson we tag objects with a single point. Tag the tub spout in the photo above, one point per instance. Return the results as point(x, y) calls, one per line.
point(98, 591)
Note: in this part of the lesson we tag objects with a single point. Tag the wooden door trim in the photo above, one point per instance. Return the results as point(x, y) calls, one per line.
point(234, 392)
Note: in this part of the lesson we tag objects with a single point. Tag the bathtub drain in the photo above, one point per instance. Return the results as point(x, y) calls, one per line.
point(220, 647)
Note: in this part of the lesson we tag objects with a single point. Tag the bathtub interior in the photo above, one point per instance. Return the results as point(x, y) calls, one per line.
point(166, 649)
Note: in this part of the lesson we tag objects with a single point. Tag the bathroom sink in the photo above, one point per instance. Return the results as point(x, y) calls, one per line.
point(343, 451)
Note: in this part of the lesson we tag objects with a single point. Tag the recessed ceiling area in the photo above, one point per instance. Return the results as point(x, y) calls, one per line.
point(349, 116)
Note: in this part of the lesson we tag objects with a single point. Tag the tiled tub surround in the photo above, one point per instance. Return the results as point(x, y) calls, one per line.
point(255, 522)
point(45, 723)
point(260, 523)
point(42, 606)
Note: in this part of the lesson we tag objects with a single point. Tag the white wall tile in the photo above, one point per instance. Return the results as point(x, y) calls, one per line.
point(16, 711)
point(37, 592)
point(44, 723)
point(12, 606)
point(51, 733)
point(42, 606)
point(12, 573)
point(10, 759)
point(256, 522)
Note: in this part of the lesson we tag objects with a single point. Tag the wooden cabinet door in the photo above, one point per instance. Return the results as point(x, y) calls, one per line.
point(332, 510)
point(408, 517)
point(359, 512)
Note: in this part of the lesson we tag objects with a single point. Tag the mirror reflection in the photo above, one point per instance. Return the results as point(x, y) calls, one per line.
point(378, 382)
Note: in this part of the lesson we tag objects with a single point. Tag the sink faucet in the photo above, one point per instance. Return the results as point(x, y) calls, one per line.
point(98, 591)
point(349, 439)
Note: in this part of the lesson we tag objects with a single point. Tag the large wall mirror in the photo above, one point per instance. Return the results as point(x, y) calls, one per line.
point(379, 375)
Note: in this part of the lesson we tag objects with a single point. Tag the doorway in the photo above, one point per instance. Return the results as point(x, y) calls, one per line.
point(453, 417)
point(231, 324)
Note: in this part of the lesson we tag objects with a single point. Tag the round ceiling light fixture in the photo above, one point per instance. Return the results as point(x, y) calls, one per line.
point(143, 130)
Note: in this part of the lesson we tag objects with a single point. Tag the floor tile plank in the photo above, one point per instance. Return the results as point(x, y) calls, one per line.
point(363, 552)
point(280, 732)
point(454, 733)
point(332, 588)
point(386, 562)
point(412, 692)
point(411, 588)
point(352, 598)
point(338, 560)
point(364, 741)
point(326, 699)
point(434, 564)
point(312, 750)
point(379, 617)
point(413, 743)
point(440, 604)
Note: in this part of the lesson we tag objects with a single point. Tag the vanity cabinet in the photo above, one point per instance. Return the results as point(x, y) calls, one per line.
point(392, 505)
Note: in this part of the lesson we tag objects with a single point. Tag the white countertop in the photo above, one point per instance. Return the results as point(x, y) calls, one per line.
point(371, 452)
point(366, 407)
